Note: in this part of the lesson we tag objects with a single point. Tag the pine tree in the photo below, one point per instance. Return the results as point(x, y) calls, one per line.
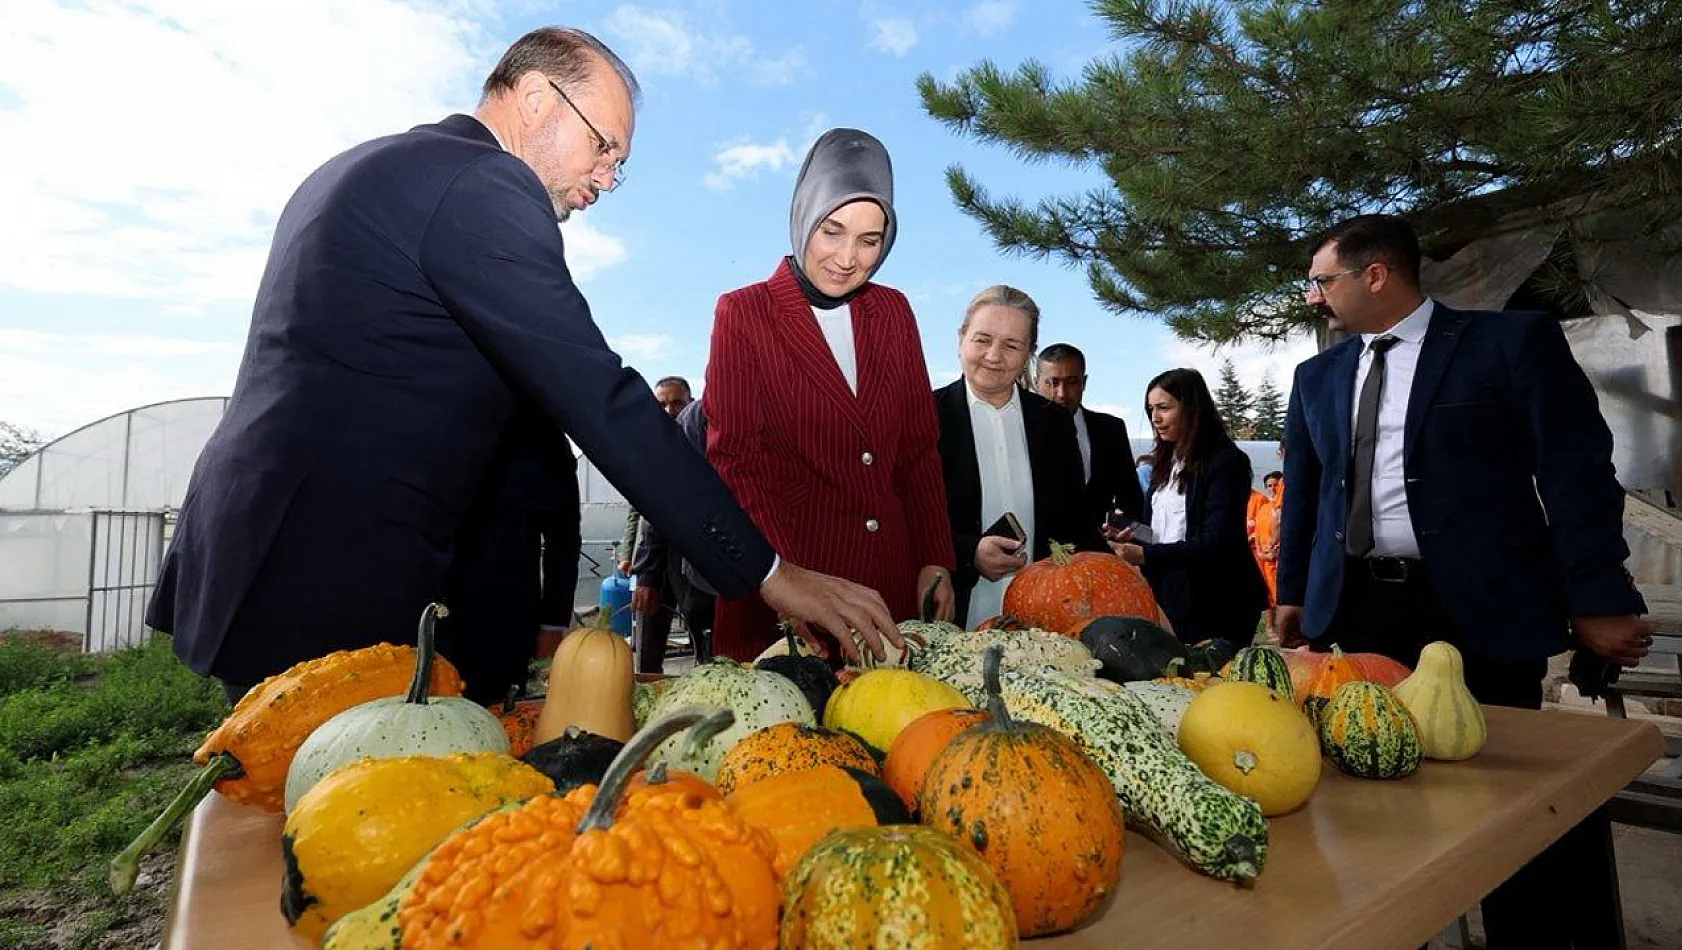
point(1228, 134)
point(1267, 413)
point(1234, 402)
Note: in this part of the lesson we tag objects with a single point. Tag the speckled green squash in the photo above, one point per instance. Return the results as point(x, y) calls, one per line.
point(1162, 793)
point(1264, 666)
point(898, 887)
point(1366, 732)
point(757, 697)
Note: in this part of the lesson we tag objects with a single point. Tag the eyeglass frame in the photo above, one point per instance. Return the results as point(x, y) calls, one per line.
point(604, 145)
point(1319, 283)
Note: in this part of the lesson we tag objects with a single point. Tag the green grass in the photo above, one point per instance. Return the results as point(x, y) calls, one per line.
point(90, 749)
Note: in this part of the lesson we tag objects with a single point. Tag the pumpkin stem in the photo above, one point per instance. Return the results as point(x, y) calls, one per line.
point(425, 648)
point(928, 598)
point(788, 637)
point(990, 661)
point(1061, 553)
point(125, 867)
point(508, 701)
point(708, 721)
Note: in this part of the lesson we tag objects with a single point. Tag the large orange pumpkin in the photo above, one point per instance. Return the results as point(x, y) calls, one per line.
point(1378, 668)
point(1067, 589)
point(1335, 670)
point(1039, 811)
point(785, 748)
point(915, 747)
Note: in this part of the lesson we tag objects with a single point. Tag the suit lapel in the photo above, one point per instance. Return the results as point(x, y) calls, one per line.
point(960, 437)
point(810, 352)
point(1340, 377)
point(1441, 337)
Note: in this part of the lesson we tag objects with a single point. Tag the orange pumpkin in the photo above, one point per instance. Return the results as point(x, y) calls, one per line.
point(1034, 807)
point(1001, 622)
point(915, 747)
point(788, 747)
point(1335, 670)
point(799, 808)
point(674, 780)
point(1378, 668)
point(1064, 591)
point(596, 868)
point(1303, 663)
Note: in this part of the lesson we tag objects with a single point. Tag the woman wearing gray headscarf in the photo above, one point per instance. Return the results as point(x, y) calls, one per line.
point(817, 402)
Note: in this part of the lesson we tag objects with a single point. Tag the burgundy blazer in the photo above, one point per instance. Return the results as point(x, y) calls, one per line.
point(844, 484)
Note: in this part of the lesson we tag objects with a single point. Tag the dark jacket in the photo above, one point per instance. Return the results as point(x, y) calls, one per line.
point(1208, 584)
point(416, 292)
point(1509, 480)
point(1060, 509)
point(1115, 479)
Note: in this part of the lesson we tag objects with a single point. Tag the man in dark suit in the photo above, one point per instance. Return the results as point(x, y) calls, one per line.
point(1450, 478)
point(416, 294)
point(1106, 455)
point(1003, 448)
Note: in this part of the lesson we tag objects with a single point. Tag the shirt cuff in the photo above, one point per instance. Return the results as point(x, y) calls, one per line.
point(776, 562)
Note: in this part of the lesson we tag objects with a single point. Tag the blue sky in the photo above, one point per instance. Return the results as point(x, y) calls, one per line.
point(150, 144)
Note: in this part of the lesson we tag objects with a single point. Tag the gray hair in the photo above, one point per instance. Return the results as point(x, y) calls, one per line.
point(1004, 295)
point(562, 53)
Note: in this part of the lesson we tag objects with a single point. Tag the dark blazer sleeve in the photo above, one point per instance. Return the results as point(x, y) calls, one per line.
point(1225, 484)
point(1574, 474)
point(1302, 496)
point(493, 254)
point(1060, 507)
point(1129, 497)
point(963, 493)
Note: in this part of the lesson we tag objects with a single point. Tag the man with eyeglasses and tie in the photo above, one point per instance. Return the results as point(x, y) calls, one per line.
point(1451, 479)
point(416, 296)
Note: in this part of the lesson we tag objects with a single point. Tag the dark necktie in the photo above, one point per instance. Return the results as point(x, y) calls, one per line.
point(1358, 533)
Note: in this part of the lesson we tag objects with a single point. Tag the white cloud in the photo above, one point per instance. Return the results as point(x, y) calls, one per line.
point(894, 35)
point(744, 160)
point(1251, 361)
point(90, 377)
point(636, 348)
point(664, 43)
point(588, 250)
point(159, 173)
point(990, 17)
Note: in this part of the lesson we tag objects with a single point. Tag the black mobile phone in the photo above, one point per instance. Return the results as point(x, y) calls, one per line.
point(1116, 520)
point(1006, 527)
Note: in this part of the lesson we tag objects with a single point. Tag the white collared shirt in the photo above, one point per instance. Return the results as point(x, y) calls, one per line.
point(1168, 510)
point(837, 327)
point(1085, 442)
point(1007, 484)
point(1392, 526)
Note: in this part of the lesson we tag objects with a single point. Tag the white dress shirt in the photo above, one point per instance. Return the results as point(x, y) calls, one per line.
point(1392, 526)
point(1085, 442)
point(1168, 510)
point(1007, 484)
point(837, 327)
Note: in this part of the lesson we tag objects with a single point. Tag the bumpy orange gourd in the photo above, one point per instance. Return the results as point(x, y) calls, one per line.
point(1335, 670)
point(1035, 807)
point(788, 747)
point(519, 721)
point(916, 746)
point(798, 808)
point(1067, 589)
point(661, 868)
point(246, 758)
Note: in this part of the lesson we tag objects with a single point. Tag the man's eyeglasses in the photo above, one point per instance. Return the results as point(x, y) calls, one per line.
point(1320, 283)
point(604, 147)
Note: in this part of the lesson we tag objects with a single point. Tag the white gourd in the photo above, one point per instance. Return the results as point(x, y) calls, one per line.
point(1451, 723)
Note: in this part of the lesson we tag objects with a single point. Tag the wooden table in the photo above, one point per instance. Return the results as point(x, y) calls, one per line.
point(1364, 864)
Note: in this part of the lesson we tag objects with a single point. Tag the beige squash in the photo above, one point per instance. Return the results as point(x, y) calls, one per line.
point(1254, 741)
point(1450, 721)
point(589, 686)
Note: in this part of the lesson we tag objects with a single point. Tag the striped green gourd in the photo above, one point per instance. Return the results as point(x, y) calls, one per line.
point(1366, 732)
point(1162, 793)
point(1264, 666)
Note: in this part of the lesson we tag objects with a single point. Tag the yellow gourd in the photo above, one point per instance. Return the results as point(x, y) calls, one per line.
point(357, 831)
point(876, 705)
point(589, 686)
point(1255, 742)
point(1451, 723)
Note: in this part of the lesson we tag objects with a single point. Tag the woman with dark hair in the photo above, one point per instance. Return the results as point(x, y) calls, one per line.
point(1197, 557)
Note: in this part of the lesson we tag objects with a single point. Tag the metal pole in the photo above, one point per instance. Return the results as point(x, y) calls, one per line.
point(93, 548)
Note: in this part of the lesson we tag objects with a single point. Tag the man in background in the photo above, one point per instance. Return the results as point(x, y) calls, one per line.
point(1111, 483)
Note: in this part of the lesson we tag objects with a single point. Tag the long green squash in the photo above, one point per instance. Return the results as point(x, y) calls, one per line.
point(1162, 793)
